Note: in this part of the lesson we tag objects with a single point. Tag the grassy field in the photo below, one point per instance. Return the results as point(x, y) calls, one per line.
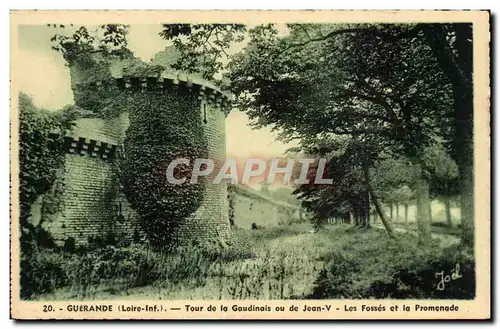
point(285, 262)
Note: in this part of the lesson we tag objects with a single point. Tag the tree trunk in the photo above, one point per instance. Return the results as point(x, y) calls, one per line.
point(459, 71)
point(391, 210)
point(397, 212)
point(367, 208)
point(422, 193)
point(467, 205)
point(430, 211)
point(351, 218)
point(378, 205)
point(406, 213)
point(447, 208)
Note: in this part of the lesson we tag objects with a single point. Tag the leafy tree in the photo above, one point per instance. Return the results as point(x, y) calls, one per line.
point(203, 46)
point(404, 195)
point(394, 178)
point(452, 47)
point(349, 162)
point(444, 172)
point(109, 38)
point(418, 75)
point(355, 84)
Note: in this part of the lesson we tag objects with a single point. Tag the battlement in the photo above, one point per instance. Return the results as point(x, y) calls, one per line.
point(134, 74)
point(90, 147)
point(205, 90)
point(94, 202)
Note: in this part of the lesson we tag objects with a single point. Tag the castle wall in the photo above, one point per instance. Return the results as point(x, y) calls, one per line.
point(92, 204)
point(211, 219)
point(87, 199)
point(251, 207)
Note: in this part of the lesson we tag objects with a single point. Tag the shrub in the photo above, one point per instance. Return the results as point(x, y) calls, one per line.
point(137, 266)
point(390, 269)
point(42, 271)
point(42, 238)
point(419, 281)
point(69, 245)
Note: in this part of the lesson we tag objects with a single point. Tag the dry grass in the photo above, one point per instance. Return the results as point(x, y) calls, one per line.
point(276, 263)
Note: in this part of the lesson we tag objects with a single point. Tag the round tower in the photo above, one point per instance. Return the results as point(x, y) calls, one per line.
point(98, 141)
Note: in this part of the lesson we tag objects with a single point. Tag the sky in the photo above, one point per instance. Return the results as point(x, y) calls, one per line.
point(45, 77)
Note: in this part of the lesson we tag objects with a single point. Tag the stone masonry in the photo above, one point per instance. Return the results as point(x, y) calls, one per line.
point(93, 204)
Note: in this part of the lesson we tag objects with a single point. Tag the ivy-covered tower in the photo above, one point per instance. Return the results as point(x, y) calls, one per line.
point(140, 117)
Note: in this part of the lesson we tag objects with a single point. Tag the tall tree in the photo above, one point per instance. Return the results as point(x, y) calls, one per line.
point(444, 184)
point(355, 84)
point(415, 77)
point(452, 46)
point(349, 165)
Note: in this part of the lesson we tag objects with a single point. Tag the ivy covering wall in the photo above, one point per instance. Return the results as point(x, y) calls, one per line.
point(164, 126)
point(41, 151)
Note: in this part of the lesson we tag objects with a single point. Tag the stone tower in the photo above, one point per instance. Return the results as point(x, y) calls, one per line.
point(93, 204)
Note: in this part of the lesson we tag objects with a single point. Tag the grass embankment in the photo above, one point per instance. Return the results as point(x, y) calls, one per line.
point(277, 263)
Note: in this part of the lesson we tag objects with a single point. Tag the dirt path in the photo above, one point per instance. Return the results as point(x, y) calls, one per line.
point(446, 239)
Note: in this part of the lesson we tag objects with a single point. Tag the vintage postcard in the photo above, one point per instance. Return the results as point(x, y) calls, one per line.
point(250, 165)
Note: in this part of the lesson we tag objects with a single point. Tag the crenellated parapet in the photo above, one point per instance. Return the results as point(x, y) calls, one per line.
point(89, 147)
point(93, 197)
point(165, 81)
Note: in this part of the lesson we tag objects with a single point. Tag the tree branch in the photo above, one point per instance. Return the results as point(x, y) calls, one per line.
point(436, 38)
point(376, 32)
point(305, 31)
point(380, 99)
point(366, 131)
point(221, 48)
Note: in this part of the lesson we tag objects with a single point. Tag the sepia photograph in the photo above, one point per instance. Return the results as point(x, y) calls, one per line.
point(250, 162)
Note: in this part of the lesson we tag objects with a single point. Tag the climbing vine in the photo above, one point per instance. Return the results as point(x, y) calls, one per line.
point(90, 56)
point(163, 126)
point(41, 155)
point(231, 200)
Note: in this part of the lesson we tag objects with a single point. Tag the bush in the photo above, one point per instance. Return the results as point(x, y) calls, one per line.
point(137, 266)
point(127, 266)
point(389, 269)
point(420, 281)
point(42, 271)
